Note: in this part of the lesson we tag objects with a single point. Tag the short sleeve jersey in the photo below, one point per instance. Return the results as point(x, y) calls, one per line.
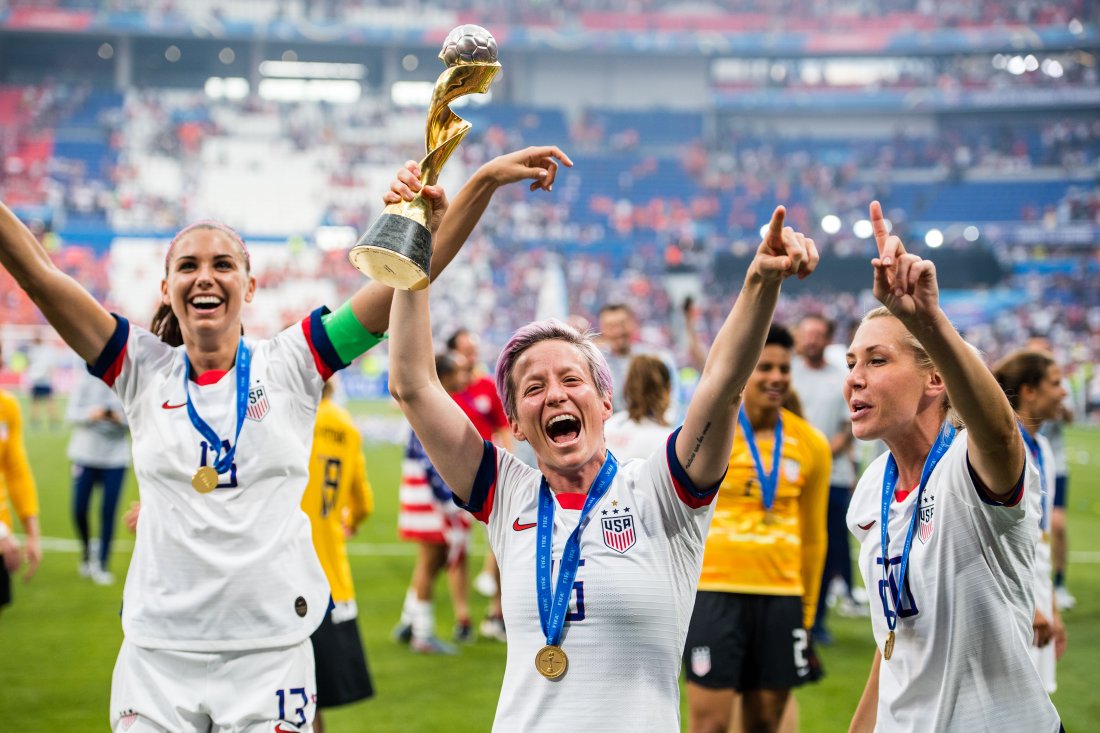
point(233, 569)
point(632, 598)
point(960, 660)
point(780, 555)
point(338, 491)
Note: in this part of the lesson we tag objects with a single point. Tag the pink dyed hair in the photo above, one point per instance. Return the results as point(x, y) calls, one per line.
point(549, 329)
point(208, 224)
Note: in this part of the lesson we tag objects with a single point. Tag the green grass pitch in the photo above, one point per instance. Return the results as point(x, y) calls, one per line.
point(58, 641)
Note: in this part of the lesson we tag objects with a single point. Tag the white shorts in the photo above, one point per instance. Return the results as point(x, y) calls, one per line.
point(163, 690)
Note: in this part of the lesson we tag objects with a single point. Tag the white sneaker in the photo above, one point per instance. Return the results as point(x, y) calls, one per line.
point(85, 568)
point(1063, 598)
point(859, 595)
point(492, 627)
point(485, 584)
point(848, 608)
point(101, 576)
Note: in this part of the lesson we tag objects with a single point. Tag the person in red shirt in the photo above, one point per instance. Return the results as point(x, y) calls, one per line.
point(482, 404)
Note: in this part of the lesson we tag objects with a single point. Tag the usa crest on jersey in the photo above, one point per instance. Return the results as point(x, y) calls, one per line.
point(258, 406)
point(618, 532)
point(925, 526)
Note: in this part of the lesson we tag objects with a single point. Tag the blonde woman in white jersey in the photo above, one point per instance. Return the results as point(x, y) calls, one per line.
point(598, 561)
point(224, 588)
point(953, 592)
point(1032, 381)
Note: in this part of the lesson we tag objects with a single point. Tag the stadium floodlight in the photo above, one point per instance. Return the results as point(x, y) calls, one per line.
point(1000, 61)
point(764, 231)
point(312, 70)
point(971, 233)
point(1075, 27)
point(227, 55)
point(933, 238)
point(410, 62)
point(1030, 62)
point(862, 229)
point(105, 51)
point(1016, 65)
point(1052, 68)
point(173, 54)
point(830, 223)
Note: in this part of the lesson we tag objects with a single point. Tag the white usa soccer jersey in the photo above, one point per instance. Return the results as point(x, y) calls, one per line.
point(234, 569)
point(640, 557)
point(960, 661)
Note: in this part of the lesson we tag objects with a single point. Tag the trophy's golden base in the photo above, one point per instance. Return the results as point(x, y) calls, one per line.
point(388, 267)
point(395, 251)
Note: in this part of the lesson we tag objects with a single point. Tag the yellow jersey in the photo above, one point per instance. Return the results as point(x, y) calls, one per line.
point(16, 479)
point(338, 494)
point(780, 553)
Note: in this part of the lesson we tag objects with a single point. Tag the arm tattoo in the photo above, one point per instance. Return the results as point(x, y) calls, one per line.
point(698, 444)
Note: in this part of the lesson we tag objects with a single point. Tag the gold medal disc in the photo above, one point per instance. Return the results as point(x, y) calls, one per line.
point(205, 479)
point(551, 662)
point(888, 650)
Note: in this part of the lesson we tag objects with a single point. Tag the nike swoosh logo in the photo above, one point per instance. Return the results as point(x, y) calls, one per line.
point(868, 525)
point(167, 406)
point(520, 527)
point(280, 729)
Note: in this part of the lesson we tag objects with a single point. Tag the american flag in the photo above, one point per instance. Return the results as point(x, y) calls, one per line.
point(618, 532)
point(257, 403)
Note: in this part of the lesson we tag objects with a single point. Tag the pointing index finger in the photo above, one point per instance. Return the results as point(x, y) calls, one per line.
point(878, 224)
point(775, 231)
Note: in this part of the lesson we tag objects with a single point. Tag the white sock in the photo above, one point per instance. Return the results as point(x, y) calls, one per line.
point(423, 620)
point(407, 609)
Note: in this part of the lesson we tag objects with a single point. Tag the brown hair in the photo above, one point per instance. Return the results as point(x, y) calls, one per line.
point(1021, 369)
point(165, 324)
point(647, 388)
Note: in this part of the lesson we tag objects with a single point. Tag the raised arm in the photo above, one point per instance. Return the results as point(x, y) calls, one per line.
point(906, 285)
point(450, 439)
point(453, 224)
point(703, 445)
point(78, 318)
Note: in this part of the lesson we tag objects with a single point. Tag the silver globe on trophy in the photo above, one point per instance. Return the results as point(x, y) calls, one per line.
point(397, 249)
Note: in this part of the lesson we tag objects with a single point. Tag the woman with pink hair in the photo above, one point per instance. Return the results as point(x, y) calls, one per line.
point(596, 615)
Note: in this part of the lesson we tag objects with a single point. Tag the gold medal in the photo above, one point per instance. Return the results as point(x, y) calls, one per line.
point(205, 479)
point(551, 662)
point(888, 650)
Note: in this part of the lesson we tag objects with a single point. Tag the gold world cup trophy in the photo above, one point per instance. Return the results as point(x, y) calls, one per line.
point(397, 249)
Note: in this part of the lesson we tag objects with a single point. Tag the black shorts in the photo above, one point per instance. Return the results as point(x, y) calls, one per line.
point(342, 674)
point(1061, 490)
point(41, 392)
point(746, 642)
point(5, 585)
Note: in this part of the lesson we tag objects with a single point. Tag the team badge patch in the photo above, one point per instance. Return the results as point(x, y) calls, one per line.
point(700, 661)
point(126, 719)
point(618, 532)
point(925, 525)
point(258, 406)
